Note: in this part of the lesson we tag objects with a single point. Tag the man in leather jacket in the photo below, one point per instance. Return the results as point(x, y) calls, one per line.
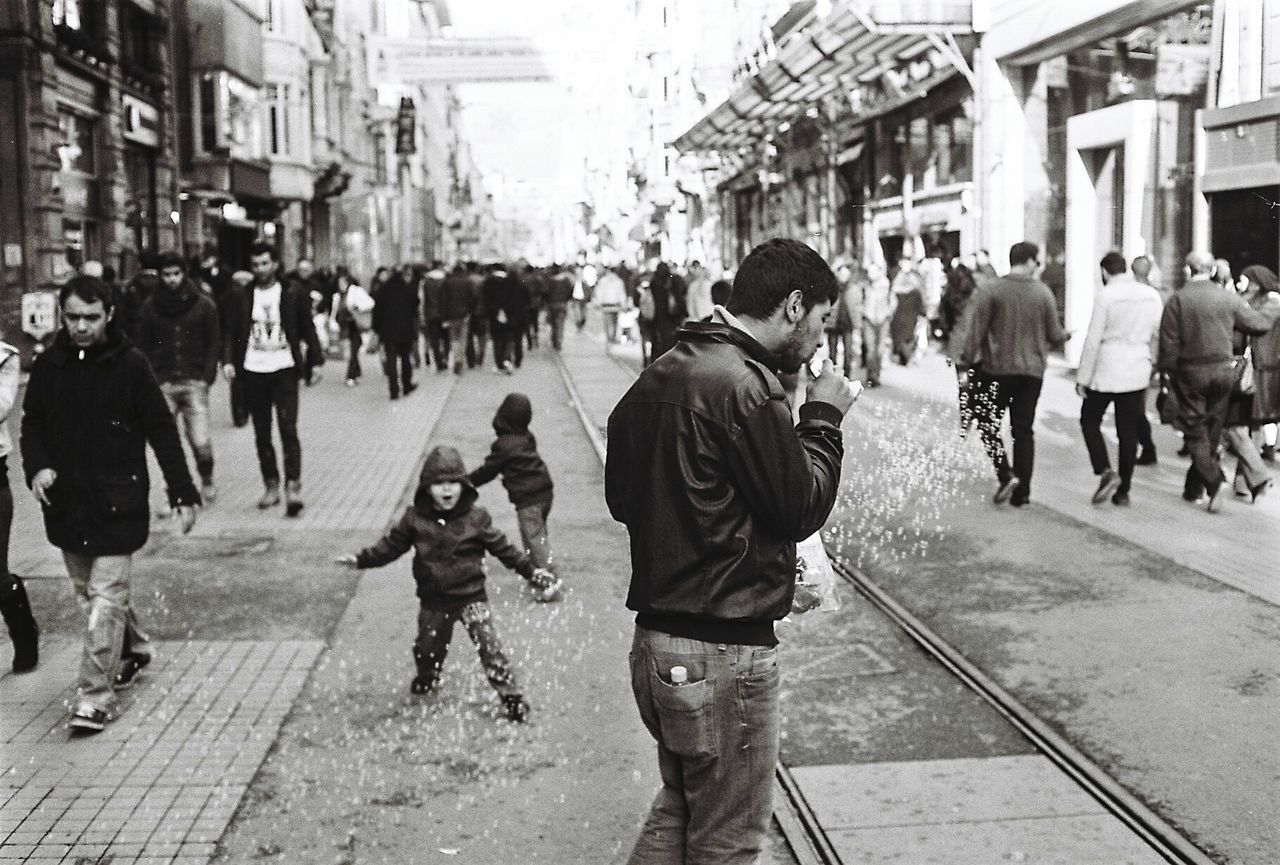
point(715, 487)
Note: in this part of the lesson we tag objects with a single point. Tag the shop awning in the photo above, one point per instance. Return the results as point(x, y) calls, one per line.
point(832, 56)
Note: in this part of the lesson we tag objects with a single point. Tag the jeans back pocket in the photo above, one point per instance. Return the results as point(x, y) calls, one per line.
point(686, 713)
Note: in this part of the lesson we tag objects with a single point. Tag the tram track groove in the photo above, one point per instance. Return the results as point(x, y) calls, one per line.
point(799, 823)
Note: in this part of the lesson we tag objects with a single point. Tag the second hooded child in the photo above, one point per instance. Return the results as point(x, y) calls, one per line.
point(449, 535)
point(515, 457)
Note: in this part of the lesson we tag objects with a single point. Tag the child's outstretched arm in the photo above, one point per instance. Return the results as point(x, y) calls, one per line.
point(395, 543)
point(491, 467)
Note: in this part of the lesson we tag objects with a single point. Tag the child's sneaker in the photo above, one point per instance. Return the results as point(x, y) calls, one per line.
point(420, 685)
point(130, 666)
point(549, 593)
point(516, 708)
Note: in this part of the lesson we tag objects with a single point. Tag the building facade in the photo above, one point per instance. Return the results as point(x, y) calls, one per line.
point(88, 154)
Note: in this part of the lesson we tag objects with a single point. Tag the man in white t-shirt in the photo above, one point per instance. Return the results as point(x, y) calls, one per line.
point(271, 345)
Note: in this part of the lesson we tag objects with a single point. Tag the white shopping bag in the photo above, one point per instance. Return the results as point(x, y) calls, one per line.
point(814, 574)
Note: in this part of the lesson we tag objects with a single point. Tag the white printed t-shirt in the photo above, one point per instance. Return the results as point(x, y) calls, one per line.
point(268, 350)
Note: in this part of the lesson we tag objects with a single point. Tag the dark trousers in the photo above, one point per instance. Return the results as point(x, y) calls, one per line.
point(354, 343)
point(264, 391)
point(555, 317)
point(1203, 393)
point(477, 340)
point(1018, 394)
point(435, 630)
point(508, 343)
point(398, 354)
point(531, 326)
point(6, 516)
point(438, 342)
point(239, 407)
point(1129, 408)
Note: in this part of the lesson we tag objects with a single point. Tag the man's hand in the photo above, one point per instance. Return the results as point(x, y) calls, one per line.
point(347, 561)
point(40, 484)
point(187, 518)
point(834, 389)
point(229, 371)
point(1081, 391)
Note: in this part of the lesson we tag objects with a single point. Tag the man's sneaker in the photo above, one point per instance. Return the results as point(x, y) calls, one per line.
point(87, 719)
point(516, 708)
point(1107, 485)
point(1020, 501)
point(208, 492)
point(1120, 500)
point(1147, 457)
point(409, 388)
point(270, 497)
point(292, 498)
point(130, 666)
point(420, 685)
point(1006, 490)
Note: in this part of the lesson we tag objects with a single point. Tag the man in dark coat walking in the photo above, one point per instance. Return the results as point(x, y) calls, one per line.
point(91, 408)
point(395, 321)
point(178, 332)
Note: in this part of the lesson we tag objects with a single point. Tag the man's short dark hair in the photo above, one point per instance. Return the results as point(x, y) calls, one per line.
point(90, 289)
point(1113, 263)
point(1022, 252)
point(172, 259)
point(776, 268)
point(261, 248)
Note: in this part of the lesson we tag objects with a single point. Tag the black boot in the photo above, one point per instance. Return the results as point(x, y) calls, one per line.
point(428, 673)
point(16, 610)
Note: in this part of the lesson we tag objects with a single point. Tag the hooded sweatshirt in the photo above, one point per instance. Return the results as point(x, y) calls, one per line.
point(515, 456)
point(448, 546)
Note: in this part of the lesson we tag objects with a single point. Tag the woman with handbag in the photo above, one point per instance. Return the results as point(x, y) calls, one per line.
point(353, 313)
point(1255, 399)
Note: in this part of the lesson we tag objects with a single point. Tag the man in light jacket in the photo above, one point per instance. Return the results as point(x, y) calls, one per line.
point(1115, 367)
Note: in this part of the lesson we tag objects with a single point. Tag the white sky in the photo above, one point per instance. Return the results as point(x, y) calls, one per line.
point(520, 130)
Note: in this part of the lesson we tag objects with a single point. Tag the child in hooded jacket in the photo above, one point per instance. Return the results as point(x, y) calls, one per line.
point(449, 535)
point(515, 457)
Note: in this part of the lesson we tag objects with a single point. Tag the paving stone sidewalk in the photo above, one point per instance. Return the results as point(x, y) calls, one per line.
point(161, 784)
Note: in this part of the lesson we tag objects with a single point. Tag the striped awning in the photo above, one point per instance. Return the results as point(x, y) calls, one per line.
point(826, 58)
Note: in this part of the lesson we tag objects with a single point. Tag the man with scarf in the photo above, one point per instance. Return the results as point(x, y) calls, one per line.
point(178, 332)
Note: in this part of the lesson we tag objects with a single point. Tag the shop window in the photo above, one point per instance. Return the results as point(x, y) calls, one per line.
point(141, 35)
point(953, 145)
point(923, 173)
point(208, 113)
point(278, 118)
point(891, 144)
point(79, 241)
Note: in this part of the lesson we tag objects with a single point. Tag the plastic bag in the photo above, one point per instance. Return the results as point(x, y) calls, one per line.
point(814, 574)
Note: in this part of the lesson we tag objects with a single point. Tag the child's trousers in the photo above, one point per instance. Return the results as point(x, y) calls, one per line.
point(533, 533)
point(435, 630)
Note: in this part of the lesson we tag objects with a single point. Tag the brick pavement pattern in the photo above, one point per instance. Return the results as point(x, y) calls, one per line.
point(161, 784)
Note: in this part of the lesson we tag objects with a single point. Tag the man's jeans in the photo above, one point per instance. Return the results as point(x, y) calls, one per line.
point(872, 346)
point(101, 586)
point(1203, 394)
point(458, 336)
point(533, 533)
point(189, 402)
point(1129, 408)
point(717, 748)
point(279, 390)
point(1019, 394)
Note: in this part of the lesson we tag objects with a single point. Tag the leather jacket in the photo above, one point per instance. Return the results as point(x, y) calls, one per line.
point(716, 486)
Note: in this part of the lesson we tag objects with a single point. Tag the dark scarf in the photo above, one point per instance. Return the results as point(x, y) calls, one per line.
point(171, 304)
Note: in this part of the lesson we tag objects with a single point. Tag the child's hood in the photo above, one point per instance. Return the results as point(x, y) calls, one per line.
point(514, 415)
point(443, 464)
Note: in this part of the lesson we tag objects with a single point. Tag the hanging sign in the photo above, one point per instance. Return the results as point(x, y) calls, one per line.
point(39, 314)
point(406, 121)
point(141, 122)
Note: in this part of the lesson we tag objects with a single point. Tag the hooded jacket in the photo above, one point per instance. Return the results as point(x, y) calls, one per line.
point(89, 414)
point(449, 547)
point(515, 456)
point(715, 486)
point(178, 332)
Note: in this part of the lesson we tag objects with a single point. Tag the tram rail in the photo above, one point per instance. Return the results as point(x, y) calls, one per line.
point(799, 823)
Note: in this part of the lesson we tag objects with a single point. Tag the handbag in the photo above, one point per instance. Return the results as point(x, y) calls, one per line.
point(1167, 404)
point(1242, 365)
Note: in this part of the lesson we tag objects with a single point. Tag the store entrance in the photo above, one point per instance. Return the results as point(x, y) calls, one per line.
point(1246, 227)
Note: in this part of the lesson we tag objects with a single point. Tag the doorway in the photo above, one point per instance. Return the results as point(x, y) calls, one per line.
point(1106, 170)
point(1245, 227)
